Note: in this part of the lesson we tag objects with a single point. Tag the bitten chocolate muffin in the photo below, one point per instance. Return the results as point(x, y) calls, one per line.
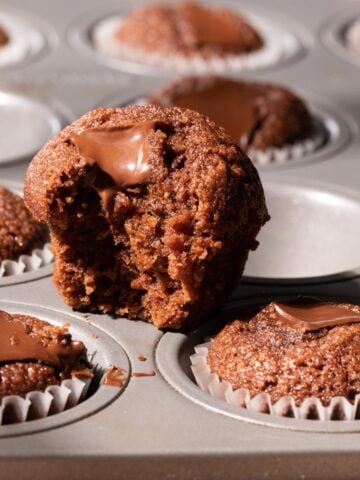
point(35, 354)
point(188, 29)
point(257, 115)
point(19, 232)
point(152, 212)
point(303, 348)
point(3, 37)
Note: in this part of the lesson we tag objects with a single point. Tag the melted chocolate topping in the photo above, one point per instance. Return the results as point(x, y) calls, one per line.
point(151, 373)
point(208, 27)
point(18, 345)
point(115, 377)
point(230, 104)
point(308, 314)
point(121, 153)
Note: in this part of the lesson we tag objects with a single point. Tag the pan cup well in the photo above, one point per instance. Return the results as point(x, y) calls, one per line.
point(340, 34)
point(102, 351)
point(34, 119)
point(312, 236)
point(29, 38)
point(173, 357)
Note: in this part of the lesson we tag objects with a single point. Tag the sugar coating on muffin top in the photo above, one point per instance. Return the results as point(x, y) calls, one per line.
point(35, 354)
point(4, 39)
point(303, 348)
point(257, 115)
point(188, 28)
point(19, 232)
point(152, 212)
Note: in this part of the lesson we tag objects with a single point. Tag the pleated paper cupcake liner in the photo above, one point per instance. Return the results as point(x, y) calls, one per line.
point(24, 40)
point(294, 151)
point(276, 47)
point(36, 404)
point(40, 257)
point(311, 408)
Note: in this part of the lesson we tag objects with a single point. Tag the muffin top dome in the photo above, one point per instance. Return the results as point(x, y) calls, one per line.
point(302, 348)
point(187, 29)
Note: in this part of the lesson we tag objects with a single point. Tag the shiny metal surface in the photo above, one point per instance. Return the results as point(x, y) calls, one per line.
point(152, 429)
point(313, 233)
point(25, 125)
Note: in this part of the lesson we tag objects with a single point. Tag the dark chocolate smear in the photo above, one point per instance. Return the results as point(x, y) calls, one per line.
point(206, 26)
point(229, 104)
point(122, 153)
point(16, 344)
point(115, 377)
point(308, 314)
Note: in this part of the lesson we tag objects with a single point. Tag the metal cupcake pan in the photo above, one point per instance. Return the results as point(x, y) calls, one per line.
point(38, 118)
point(333, 33)
point(41, 37)
point(312, 236)
point(163, 425)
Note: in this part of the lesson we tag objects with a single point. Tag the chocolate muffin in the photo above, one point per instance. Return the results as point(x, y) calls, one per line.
point(19, 232)
point(303, 348)
point(188, 29)
point(3, 37)
point(152, 212)
point(257, 115)
point(35, 354)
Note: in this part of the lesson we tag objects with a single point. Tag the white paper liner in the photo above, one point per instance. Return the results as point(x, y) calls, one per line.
point(352, 36)
point(40, 257)
point(294, 151)
point(312, 408)
point(278, 45)
point(36, 405)
point(24, 40)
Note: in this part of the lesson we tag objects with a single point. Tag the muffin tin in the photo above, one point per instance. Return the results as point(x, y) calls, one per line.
point(163, 425)
point(29, 38)
point(39, 119)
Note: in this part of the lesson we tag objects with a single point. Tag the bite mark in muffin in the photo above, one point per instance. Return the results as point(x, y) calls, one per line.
point(166, 247)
